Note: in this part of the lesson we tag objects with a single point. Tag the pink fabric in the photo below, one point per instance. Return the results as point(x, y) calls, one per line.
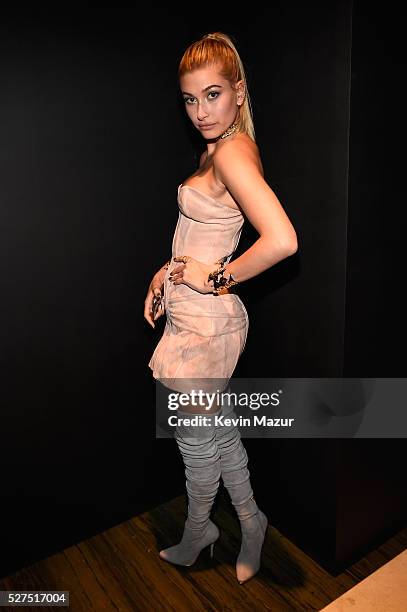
point(204, 334)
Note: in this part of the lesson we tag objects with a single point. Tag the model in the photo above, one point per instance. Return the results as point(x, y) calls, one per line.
point(206, 321)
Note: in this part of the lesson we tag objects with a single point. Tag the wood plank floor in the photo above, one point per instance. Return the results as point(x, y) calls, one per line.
point(120, 569)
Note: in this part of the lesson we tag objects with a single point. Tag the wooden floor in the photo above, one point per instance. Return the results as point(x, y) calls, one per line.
point(120, 569)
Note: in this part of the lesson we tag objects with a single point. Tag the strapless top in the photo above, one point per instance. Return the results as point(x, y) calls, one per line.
point(207, 230)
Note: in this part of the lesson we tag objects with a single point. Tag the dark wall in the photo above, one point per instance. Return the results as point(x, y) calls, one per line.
point(300, 58)
point(94, 141)
point(376, 304)
point(92, 146)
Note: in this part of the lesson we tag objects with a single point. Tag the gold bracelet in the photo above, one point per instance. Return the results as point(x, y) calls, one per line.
point(226, 286)
point(221, 285)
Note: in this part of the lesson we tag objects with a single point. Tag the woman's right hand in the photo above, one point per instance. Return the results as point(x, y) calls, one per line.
point(155, 289)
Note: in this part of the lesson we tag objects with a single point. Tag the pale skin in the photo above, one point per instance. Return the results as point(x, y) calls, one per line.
point(230, 171)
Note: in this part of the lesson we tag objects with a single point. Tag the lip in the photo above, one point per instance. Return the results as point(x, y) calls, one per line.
point(207, 126)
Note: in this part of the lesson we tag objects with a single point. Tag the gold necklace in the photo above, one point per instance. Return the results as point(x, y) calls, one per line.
point(230, 130)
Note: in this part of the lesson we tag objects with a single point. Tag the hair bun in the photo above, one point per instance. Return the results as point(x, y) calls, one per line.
point(216, 36)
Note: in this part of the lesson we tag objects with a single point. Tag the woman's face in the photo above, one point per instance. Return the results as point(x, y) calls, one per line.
point(210, 101)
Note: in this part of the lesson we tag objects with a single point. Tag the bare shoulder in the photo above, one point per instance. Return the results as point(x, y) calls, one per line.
point(238, 152)
point(239, 169)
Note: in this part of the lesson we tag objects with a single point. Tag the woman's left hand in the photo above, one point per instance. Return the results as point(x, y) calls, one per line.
point(194, 274)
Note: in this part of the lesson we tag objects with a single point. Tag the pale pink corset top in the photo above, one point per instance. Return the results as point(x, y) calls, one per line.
point(207, 230)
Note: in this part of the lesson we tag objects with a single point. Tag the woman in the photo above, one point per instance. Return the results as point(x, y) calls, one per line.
point(207, 323)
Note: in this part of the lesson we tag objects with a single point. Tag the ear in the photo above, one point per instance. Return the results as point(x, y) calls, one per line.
point(240, 91)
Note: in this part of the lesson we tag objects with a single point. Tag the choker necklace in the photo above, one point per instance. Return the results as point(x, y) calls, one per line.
point(230, 130)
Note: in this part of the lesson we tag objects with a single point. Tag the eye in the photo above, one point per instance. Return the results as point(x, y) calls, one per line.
point(215, 93)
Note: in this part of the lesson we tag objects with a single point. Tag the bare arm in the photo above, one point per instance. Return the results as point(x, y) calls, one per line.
point(237, 165)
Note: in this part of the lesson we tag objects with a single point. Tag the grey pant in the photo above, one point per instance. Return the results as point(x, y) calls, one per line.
point(234, 460)
point(211, 452)
point(199, 450)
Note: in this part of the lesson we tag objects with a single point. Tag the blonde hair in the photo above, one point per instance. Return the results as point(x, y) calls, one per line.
point(214, 48)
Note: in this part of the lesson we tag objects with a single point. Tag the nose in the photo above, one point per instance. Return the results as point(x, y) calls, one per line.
point(201, 112)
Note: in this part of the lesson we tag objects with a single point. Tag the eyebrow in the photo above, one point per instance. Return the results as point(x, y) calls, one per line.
point(206, 88)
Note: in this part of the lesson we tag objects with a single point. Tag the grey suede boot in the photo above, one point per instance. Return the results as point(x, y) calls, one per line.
point(200, 454)
point(236, 478)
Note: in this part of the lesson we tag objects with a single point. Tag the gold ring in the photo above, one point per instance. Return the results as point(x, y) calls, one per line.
point(185, 258)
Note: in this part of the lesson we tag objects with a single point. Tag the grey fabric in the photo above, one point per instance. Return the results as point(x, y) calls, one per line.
point(197, 444)
point(236, 478)
point(234, 460)
point(211, 452)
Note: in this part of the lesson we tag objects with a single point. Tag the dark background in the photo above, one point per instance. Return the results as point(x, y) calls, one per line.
point(94, 142)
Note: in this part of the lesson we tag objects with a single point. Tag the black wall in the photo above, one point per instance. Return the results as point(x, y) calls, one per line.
point(94, 141)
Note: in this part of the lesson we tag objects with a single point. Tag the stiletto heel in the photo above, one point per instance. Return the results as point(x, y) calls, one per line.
point(211, 550)
point(192, 543)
